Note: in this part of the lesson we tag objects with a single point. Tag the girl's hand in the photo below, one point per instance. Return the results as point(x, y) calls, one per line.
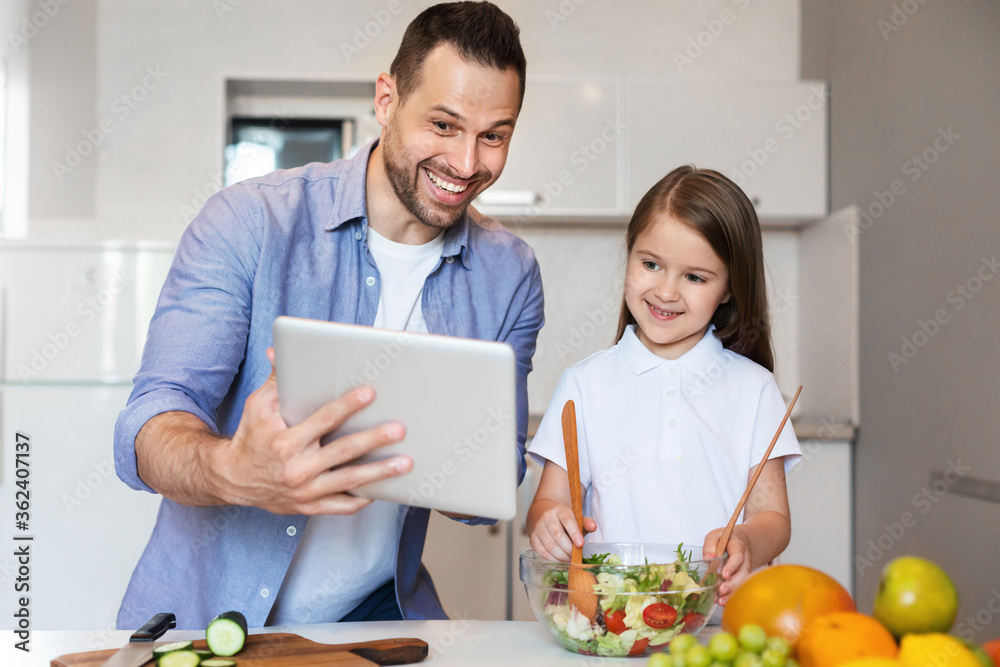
point(555, 530)
point(738, 566)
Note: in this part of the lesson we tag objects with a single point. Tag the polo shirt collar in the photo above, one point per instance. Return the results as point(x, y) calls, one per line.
point(349, 204)
point(700, 358)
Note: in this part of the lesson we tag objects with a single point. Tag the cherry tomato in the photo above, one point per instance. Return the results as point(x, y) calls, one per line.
point(659, 615)
point(639, 647)
point(693, 621)
point(615, 621)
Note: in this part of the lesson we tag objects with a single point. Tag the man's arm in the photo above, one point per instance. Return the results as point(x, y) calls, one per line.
point(266, 464)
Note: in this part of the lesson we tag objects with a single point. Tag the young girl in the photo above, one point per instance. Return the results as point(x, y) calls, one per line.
point(673, 420)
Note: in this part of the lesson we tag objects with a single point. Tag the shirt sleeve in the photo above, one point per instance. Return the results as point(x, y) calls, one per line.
point(197, 336)
point(770, 410)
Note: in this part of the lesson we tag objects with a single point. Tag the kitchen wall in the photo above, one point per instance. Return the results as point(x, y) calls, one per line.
point(914, 134)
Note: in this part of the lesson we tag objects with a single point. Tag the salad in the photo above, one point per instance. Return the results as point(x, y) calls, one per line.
point(640, 606)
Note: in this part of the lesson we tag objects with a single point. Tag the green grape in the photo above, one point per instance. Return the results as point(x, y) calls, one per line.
point(747, 659)
point(773, 658)
point(697, 656)
point(660, 660)
point(724, 647)
point(716, 663)
point(791, 662)
point(753, 638)
point(778, 644)
point(680, 644)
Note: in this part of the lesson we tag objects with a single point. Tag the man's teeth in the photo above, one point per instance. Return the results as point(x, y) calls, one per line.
point(445, 185)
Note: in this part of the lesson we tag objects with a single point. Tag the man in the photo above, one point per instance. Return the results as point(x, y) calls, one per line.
point(382, 239)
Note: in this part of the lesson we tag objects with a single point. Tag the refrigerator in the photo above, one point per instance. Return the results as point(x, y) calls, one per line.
point(73, 320)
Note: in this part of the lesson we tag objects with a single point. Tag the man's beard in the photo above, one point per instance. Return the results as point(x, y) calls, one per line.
point(404, 184)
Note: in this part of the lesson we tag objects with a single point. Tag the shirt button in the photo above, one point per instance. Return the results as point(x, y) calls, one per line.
point(673, 422)
point(264, 592)
point(671, 393)
point(357, 235)
point(370, 281)
point(449, 259)
point(291, 531)
point(673, 370)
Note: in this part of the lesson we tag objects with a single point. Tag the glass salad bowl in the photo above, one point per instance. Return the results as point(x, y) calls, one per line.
point(646, 595)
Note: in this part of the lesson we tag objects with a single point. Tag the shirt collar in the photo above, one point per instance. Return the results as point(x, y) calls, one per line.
point(700, 358)
point(349, 204)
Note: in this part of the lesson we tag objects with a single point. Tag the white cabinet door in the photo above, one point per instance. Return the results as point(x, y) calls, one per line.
point(820, 498)
point(88, 529)
point(566, 152)
point(770, 138)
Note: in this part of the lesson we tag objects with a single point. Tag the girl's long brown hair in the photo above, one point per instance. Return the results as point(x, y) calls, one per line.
point(716, 208)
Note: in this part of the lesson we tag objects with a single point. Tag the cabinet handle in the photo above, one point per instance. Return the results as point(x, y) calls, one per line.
point(507, 198)
point(495, 529)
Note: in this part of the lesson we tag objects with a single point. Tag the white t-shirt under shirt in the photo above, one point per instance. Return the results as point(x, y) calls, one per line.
point(341, 560)
point(665, 446)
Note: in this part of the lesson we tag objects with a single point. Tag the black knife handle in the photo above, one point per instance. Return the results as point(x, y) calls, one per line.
point(154, 627)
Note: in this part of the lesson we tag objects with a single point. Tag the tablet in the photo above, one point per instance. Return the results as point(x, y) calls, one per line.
point(455, 396)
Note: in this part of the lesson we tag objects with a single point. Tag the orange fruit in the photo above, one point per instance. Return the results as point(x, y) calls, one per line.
point(843, 636)
point(783, 599)
point(992, 649)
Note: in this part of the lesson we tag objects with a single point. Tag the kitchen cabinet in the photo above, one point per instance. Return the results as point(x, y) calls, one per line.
point(567, 154)
point(770, 138)
point(74, 325)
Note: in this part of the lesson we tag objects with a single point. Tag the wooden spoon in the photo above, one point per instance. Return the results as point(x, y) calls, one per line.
point(581, 580)
point(720, 547)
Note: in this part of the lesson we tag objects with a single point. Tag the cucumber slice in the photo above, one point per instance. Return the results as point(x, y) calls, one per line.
point(171, 647)
point(179, 659)
point(204, 653)
point(218, 662)
point(226, 633)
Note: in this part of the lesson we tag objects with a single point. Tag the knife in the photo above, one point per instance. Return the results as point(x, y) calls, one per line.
point(139, 649)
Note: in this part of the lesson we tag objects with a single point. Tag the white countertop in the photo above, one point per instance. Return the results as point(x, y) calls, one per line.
point(455, 642)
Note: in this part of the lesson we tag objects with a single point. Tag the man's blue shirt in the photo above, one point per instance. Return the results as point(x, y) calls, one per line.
point(291, 243)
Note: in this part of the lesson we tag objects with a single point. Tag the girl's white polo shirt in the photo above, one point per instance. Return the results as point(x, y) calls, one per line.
point(665, 446)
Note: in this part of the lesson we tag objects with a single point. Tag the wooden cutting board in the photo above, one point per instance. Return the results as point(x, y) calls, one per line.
point(282, 649)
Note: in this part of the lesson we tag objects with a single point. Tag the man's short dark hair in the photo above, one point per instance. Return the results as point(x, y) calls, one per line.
point(480, 31)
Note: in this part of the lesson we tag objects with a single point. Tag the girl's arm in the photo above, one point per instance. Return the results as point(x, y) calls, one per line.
point(551, 525)
point(764, 533)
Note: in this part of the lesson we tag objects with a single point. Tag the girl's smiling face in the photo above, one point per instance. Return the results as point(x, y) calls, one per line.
point(674, 282)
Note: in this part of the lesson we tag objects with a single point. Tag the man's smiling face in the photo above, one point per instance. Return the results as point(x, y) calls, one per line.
point(447, 140)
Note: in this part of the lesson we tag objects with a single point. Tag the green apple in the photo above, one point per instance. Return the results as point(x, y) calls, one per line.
point(915, 596)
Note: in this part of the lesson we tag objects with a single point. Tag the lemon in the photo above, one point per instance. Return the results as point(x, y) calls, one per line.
point(915, 595)
point(936, 649)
